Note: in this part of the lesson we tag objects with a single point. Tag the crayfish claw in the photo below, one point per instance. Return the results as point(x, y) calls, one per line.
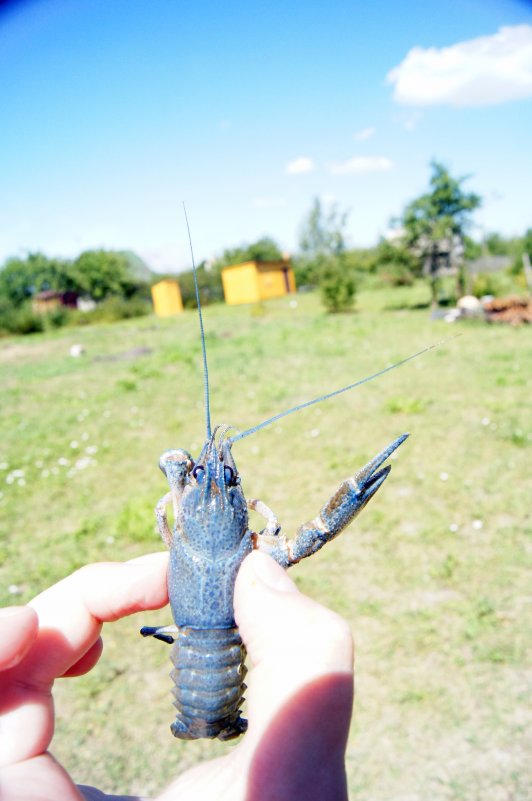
point(346, 503)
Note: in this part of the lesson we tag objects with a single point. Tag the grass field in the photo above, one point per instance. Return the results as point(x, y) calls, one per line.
point(432, 577)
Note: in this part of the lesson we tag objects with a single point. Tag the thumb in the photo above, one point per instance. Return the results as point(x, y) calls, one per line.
point(293, 642)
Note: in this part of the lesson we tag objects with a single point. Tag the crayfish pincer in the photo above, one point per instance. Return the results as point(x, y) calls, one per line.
point(209, 541)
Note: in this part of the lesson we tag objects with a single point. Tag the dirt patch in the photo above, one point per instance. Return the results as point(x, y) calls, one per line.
point(18, 351)
point(124, 355)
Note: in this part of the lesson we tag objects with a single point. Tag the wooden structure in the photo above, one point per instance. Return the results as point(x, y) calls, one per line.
point(49, 299)
point(254, 281)
point(166, 297)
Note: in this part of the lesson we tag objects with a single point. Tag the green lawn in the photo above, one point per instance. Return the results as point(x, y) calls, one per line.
point(432, 577)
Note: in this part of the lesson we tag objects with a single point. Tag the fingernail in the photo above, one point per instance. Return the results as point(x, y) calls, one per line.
point(270, 573)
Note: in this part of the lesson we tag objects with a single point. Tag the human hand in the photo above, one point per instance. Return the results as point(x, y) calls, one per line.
point(299, 692)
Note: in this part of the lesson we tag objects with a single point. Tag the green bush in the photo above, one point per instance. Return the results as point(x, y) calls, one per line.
point(22, 320)
point(486, 284)
point(337, 286)
point(58, 317)
point(209, 285)
point(118, 308)
point(396, 274)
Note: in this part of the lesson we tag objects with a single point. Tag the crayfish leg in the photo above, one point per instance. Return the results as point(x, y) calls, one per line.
point(162, 633)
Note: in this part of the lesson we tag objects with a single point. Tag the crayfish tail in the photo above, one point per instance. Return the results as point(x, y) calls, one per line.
point(209, 683)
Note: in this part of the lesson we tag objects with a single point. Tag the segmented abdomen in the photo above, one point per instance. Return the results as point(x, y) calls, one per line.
point(209, 683)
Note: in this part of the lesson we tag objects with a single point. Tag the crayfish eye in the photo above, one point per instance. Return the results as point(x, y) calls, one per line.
point(199, 473)
point(229, 475)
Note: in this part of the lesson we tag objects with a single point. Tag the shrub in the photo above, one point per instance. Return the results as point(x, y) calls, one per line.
point(118, 308)
point(486, 284)
point(58, 317)
point(21, 320)
point(209, 285)
point(396, 274)
point(337, 286)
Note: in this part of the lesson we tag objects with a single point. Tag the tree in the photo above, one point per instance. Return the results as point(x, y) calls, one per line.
point(435, 224)
point(523, 257)
point(264, 249)
point(396, 264)
point(323, 256)
point(496, 245)
point(209, 286)
point(20, 279)
point(100, 273)
point(322, 232)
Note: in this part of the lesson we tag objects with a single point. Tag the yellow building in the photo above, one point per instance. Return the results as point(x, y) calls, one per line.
point(254, 281)
point(166, 297)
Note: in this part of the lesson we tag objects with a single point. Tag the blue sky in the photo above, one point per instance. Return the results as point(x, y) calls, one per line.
point(113, 113)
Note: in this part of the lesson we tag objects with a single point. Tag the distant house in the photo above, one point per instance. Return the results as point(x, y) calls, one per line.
point(166, 297)
point(50, 299)
point(490, 264)
point(254, 281)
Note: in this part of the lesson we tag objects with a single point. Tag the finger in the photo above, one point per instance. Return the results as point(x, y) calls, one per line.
point(70, 620)
point(294, 644)
point(18, 629)
point(72, 612)
point(87, 661)
point(275, 618)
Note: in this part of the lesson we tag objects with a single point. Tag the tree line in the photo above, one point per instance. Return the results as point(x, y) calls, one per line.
point(432, 236)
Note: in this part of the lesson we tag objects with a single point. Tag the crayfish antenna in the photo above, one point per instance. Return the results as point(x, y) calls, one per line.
point(300, 406)
point(202, 332)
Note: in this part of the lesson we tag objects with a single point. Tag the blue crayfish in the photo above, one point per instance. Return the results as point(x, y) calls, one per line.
point(209, 541)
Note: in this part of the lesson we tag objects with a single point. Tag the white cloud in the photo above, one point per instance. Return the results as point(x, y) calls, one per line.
point(365, 133)
point(269, 202)
point(361, 164)
point(299, 165)
point(478, 72)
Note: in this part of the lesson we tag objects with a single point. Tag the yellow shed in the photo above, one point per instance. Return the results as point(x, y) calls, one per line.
point(254, 281)
point(166, 297)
